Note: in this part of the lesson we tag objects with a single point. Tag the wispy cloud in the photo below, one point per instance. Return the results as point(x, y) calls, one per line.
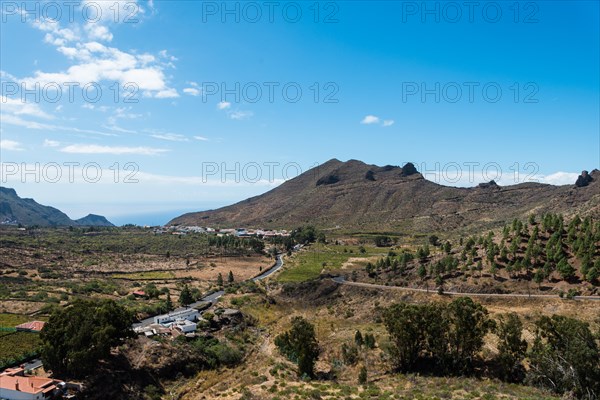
point(114, 150)
point(10, 145)
point(192, 91)
point(375, 120)
point(370, 119)
point(223, 105)
point(18, 121)
point(20, 107)
point(51, 143)
point(240, 114)
point(172, 137)
point(202, 138)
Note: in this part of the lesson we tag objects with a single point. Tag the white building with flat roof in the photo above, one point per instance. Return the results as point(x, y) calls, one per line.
point(191, 314)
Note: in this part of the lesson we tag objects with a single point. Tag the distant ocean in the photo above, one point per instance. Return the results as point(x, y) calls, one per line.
point(151, 219)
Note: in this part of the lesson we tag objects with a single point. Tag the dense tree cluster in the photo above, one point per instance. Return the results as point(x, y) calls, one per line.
point(78, 336)
point(307, 234)
point(447, 339)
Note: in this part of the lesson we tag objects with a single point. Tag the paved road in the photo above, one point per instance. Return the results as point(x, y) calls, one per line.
point(343, 281)
point(33, 364)
point(270, 271)
point(213, 297)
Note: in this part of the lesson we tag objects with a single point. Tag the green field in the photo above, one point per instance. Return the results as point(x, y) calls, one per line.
point(308, 263)
point(15, 347)
point(11, 320)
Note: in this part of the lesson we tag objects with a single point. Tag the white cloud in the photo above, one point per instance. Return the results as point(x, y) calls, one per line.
point(192, 91)
point(93, 62)
point(172, 137)
point(559, 178)
point(19, 107)
point(373, 119)
point(370, 119)
point(166, 94)
point(202, 138)
point(98, 32)
point(115, 150)
point(238, 115)
point(51, 143)
point(10, 145)
point(223, 105)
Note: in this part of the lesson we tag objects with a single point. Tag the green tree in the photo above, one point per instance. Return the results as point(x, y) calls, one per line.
point(447, 247)
point(511, 347)
point(230, 278)
point(76, 337)
point(468, 323)
point(185, 297)
point(219, 280)
point(300, 345)
point(369, 341)
point(407, 328)
point(565, 269)
point(362, 376)
point(168, 302)
point(358, 338)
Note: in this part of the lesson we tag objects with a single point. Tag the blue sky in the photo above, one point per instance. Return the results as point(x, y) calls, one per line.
point(500, 87)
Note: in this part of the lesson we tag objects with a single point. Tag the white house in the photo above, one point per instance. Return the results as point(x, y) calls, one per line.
point(190, 314)
point(184, 325)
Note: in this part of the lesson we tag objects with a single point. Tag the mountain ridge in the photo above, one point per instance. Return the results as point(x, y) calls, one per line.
point(354, 195)
point(16, 210)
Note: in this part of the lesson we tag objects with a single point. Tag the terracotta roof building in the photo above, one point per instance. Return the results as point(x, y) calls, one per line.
point(33, 326)
point(14, 385)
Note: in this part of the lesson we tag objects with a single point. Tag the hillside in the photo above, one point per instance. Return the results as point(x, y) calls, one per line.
point(16, 210)
point(93, 220)
point(355, 196)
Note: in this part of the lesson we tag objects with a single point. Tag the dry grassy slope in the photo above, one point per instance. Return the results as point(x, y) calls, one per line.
point(337, 312)
point(393, 202)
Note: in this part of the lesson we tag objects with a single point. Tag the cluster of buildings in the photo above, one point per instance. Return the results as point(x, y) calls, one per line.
point(175, 323)
point(239, 232)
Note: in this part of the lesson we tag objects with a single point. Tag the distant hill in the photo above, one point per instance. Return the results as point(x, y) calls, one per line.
point(16, 210)
point(355, 196)
point(93, 220)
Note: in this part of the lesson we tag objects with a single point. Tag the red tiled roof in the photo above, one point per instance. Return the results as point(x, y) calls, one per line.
point(32, 326)
point(11, 380)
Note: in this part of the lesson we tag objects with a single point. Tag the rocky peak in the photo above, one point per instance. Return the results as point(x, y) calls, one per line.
point(584, 179)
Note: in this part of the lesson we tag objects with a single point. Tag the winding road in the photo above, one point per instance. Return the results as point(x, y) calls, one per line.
point(213, 297)
point(342, 281)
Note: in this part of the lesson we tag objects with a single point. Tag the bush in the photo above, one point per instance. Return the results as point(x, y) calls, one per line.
point(565, 357)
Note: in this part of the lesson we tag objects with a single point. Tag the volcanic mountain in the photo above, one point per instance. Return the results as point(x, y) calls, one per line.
point(354, 196)
point(16, 210)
